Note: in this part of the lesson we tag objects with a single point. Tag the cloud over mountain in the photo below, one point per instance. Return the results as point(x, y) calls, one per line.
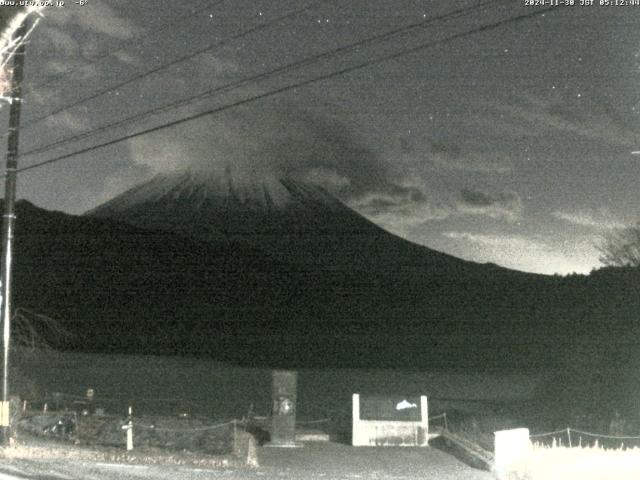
point(454, 158)
point(560, 114)
point(597, 219)
point(505, 205)
point(515, 251)
point(279, 141)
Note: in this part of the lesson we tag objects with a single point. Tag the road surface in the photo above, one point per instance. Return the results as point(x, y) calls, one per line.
point(314, 461)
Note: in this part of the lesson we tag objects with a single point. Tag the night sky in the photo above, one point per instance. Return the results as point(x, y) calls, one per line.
point(509, 145)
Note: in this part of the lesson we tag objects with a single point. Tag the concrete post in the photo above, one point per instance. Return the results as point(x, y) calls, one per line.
point(423, 440)
point(356, 434)
point(512, 452)
point(283, 415)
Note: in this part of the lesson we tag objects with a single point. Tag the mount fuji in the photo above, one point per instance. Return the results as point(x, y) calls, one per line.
point(294, 221)
point(357, 286)
point(279, 272)
point(209, 206)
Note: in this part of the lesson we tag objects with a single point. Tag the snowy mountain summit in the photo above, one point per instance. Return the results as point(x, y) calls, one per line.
point(205, 189)
point(213, 204)
point(284, 217)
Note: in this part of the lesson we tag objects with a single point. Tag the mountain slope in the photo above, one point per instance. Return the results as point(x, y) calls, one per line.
point(280, 273)
point(122, 288)
point(377, 289)
point(293, 221)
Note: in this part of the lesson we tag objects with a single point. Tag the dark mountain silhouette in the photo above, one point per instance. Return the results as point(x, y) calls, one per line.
point(174, 270)
point(381, 293)
point(297, 222)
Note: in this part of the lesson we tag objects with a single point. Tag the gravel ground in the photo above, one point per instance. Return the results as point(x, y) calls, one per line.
point(314, 461)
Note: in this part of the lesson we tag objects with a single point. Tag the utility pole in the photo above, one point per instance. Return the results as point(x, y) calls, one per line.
point(8, 225)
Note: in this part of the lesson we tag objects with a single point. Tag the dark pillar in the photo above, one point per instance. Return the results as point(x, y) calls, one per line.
point(283, 415)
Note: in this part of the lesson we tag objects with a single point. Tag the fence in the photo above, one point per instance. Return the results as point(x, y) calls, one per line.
point(308, 414)
point(572, 437)
point(517, 452)
point(149, 405)
point(101, 420)
point(444, 422)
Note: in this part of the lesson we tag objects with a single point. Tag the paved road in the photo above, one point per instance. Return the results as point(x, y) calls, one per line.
point(319, 461)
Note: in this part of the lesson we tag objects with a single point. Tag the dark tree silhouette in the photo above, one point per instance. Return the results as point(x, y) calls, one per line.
point(621, 248)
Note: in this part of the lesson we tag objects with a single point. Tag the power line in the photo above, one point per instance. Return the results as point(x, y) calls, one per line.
point(303, 83)
point(170, 64)
point(281, 69)
point(124, 45)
